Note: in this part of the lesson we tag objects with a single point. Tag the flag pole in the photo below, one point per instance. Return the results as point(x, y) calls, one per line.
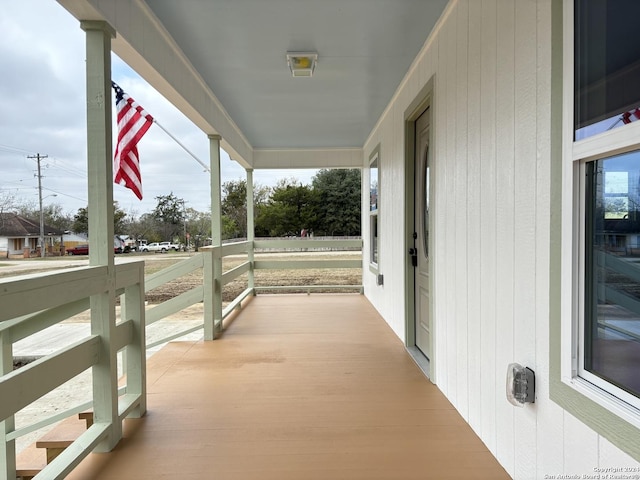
point(182, 145)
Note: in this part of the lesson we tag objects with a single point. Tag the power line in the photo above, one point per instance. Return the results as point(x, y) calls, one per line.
point(65, 194)
point(67, 171)
point(9, 148)
point(61, 164)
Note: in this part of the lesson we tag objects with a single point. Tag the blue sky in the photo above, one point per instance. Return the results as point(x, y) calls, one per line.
point(42, 110)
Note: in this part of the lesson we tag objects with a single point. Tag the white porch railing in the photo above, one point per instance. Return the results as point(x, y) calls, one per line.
point(32, 303)
point(307, 245)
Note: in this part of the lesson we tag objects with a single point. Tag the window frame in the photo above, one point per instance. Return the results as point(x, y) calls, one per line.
point(594, 401)
point(581, 272)
point(374, 215)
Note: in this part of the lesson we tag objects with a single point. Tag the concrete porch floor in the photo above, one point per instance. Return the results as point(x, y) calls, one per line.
point(298, 387)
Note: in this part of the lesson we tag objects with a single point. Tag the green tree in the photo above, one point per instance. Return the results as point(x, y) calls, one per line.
point(119, 219)
point(338, 194)
point(290, 209)
point(199, 227)
point(230, 228)
point(234, 206)
point(234, 209)
point(80, 222)
point(169, 213)
point(145, 228)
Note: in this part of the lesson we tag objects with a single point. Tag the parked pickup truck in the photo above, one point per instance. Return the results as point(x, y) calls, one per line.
point(171, 246)
point(161, 247)
point(154, 247)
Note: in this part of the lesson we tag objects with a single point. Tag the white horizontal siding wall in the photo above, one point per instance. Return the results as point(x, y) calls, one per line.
point(491, 119)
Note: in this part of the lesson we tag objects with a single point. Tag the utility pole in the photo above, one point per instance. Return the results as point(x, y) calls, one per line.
point(184, 216)
point(39, 157)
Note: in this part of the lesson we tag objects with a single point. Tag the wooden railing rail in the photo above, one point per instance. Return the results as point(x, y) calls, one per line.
point(309, 243)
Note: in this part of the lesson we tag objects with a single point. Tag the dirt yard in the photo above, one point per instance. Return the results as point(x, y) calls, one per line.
point(344, 276)
point(157, 262)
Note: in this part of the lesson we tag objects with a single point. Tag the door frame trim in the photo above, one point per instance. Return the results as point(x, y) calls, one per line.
point(423, 100)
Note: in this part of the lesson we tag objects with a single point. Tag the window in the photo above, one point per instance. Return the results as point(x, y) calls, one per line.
point(425, 203)
point(600, 301)
point(611, 328)
point(374, 196)
point(607, 66)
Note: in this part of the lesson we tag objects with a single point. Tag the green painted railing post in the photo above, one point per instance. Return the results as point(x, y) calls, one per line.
point(217, 291)
point(100, 209)
point(250, 228)
point(8, 450)
point(216, 234)
point(136, 351)
point(209, 286)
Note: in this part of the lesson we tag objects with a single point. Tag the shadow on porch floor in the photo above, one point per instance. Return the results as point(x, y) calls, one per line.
point(298, 387)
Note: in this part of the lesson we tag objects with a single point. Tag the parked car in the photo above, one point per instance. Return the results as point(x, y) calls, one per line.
point(78, 250)
point(154, 247)
point(171, 246)
point(84, 250)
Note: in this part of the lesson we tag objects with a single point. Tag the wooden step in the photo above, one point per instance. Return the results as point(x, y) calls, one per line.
point(61, 436)
point(29, 462)
point(87, 417)
point(32, 459)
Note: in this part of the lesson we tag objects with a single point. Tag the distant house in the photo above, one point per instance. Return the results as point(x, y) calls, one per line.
point(71, 240)
point(19, 236)
point(621, 235)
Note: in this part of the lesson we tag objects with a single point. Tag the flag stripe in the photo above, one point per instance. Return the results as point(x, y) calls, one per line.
point(133, 123)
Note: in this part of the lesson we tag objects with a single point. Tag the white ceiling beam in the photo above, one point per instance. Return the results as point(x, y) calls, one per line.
point(308, 158)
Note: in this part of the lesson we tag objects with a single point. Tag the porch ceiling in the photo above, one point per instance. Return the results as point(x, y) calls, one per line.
point(238, 49)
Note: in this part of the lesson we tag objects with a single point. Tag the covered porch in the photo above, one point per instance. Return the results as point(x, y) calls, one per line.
point(455, 113)
point(311, 385)
point(298, 386)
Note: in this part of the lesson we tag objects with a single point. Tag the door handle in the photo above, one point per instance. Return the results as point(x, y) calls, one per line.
point(413, 253)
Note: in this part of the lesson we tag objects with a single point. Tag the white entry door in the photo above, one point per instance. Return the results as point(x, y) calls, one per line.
point(420, 251)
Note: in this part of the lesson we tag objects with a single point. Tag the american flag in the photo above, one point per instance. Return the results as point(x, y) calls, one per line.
point(626, 116)
point(133, 123)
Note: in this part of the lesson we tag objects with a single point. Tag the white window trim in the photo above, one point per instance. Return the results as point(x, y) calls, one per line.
point(620, 140)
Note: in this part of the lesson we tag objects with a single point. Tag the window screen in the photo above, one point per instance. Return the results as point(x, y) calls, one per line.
point(607, 65)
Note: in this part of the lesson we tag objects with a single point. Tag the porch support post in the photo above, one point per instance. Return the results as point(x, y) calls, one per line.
point(100, 213)
point(8, 449)
point(250, 226)
point(215, 326)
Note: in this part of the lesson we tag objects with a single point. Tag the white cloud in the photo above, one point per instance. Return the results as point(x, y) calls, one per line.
point(42, 109)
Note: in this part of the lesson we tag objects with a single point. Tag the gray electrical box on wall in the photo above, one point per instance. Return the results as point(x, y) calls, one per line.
point(521, 385)
point(380, 279)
